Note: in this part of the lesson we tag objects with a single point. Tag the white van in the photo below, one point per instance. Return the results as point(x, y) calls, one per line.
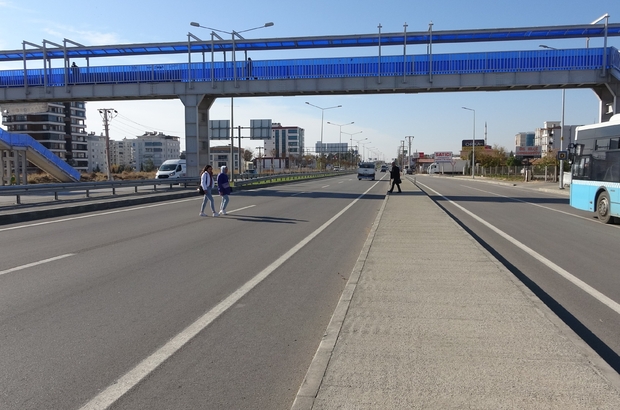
point(172, 168)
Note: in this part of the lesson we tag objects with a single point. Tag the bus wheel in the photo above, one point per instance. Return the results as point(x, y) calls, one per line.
point(603, 208)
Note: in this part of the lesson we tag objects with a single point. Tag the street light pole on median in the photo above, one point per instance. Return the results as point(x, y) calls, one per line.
point(351, 136)
point(473, 144)
point(322, 112)
point(340, 138)
point(561, 173)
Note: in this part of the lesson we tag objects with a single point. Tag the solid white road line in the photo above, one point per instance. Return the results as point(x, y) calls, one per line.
point(136, 208)
point(55, 258)
point(541, 206)
point(610, 303)
point(115, 391)
point(73, 218)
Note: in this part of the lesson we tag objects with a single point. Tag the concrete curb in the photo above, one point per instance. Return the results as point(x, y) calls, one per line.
point(314, 376)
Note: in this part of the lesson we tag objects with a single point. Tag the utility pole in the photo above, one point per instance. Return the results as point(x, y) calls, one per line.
point(409, 137)
point(105, 113)
point(260, 160)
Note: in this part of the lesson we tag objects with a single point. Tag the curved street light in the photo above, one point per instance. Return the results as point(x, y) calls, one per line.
point(351, 137)
point(322, 112)
point(340, 137)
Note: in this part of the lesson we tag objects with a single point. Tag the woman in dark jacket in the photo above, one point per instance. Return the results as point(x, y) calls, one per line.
point(223, 187)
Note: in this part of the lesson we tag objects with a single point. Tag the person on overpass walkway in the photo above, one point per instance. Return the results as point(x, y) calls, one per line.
point(395, 177)
point(223, 187)
point(207, 182)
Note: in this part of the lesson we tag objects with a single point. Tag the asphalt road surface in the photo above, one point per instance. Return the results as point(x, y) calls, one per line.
point(566, 256)
point(154, 307)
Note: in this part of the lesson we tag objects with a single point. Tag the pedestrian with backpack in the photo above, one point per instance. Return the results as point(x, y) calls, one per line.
point(207, 183)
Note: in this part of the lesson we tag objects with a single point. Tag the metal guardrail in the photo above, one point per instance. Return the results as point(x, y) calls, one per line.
point(188, 182)
point(19, 190)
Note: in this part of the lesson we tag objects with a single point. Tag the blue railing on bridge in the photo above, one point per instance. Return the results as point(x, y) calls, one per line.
point(25, 141)
point(457, 63)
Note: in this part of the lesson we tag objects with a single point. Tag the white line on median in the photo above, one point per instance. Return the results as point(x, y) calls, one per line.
point(55, 258)
point(610, 303)
point(115, 391)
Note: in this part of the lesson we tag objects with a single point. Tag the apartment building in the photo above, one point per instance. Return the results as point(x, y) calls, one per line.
point(61, 129)
point(285, 142)
point(155, 147)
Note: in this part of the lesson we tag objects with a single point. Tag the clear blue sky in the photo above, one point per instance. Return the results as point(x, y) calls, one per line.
point(436, 120)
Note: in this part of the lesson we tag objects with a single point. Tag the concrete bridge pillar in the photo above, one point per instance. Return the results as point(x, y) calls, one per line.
point(196, 131)
point(608, 96)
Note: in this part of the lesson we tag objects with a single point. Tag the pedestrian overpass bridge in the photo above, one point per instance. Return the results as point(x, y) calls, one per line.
point(199, 84)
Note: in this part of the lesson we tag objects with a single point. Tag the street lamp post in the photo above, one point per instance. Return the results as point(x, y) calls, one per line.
point(561, 173)
point(363, 144)
point(358, 141)
point(233, 33)
point(351, 138)
point(322, 112)
point(473, 144)
point(409, 137)
point(598, 20)
point(340, 138)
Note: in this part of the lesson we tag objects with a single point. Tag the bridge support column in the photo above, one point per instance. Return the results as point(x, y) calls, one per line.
point(196, 131)
point(608, 96)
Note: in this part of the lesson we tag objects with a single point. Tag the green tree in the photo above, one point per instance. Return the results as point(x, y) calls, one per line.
point(148, 165)
point(248, 154)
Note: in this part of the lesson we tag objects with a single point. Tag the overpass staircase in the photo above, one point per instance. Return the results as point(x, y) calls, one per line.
point(39, 156)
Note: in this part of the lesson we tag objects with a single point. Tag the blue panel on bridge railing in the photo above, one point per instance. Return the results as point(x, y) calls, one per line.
point(457, 63)
point(26, 141)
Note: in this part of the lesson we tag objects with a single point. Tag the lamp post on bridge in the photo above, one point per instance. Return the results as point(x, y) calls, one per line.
point(322, 112)
point(598, 20)
point(233, 33)
point(340, 138)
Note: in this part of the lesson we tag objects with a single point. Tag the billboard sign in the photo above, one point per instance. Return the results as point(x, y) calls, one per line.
point(443, 156)
point(219, 129)
point(467, 143)
point(260, 129)
point(24, 108)
point(535, 151)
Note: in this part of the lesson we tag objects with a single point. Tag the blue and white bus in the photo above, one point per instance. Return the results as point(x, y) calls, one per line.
point(595, 183)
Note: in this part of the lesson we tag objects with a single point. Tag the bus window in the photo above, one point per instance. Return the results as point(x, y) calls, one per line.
point(601, 145)
point(581, 169)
